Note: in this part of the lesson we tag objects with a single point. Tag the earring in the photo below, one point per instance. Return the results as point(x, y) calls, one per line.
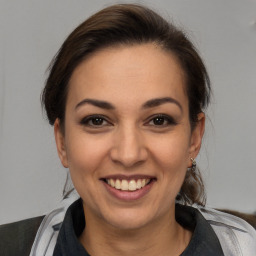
point(193, 167)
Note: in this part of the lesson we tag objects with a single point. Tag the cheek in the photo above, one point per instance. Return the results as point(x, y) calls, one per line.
point(86, 158)
point(172, 151)
point(85, 155)
point(171, 157)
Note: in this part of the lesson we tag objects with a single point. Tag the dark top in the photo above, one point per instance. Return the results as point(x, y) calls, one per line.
point(16, 239)
point(204, 241)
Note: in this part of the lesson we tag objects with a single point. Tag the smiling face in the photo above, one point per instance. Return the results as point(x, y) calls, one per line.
point(128, 139)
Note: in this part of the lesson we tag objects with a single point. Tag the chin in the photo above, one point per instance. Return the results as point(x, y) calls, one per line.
point(128, 219)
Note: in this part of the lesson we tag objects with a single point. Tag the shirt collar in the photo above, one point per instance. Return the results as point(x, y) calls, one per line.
point(203, 242)
point(73, 225)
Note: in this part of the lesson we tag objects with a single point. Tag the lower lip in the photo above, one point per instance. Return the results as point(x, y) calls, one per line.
point(129, 195)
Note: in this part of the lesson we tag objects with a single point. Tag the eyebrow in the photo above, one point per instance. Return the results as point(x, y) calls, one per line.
point(97, 103)
point(148, 104)
point(159, 101)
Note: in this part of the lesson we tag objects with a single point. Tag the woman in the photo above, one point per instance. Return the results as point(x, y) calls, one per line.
point(126, 94)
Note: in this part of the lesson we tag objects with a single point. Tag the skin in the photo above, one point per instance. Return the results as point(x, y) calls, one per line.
point(127, 141)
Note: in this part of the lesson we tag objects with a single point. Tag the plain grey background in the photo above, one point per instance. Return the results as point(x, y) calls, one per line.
point(31, 176)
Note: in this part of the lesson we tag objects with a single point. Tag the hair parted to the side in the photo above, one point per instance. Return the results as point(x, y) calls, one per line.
point(130, 24)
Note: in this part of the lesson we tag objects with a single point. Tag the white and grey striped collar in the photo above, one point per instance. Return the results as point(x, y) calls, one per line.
point(48, 231)
point(236, 236)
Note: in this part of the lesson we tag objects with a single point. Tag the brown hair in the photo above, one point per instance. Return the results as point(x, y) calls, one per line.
point(128, 24)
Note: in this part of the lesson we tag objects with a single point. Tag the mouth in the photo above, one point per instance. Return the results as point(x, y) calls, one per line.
point(128, 184)
point(128, 188)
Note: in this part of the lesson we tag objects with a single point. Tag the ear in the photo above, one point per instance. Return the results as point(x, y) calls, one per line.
point(60, 143)
point(197, 136)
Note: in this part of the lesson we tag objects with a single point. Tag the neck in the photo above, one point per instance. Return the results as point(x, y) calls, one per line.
point(163, 237)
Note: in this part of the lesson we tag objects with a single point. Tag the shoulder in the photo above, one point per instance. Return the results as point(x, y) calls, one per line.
point(17, 238)
point(250, 218)
point(48, 232)
point(235, 235)
point(36, 235)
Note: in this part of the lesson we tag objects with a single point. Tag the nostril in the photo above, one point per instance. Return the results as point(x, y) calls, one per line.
point(128, 158)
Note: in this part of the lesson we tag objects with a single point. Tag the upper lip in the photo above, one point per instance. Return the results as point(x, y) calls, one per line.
point(128, 177)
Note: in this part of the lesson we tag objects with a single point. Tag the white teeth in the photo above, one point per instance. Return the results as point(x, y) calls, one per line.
point(132, 185)
point(118, 184)
point(138, 184)
point(126, 185)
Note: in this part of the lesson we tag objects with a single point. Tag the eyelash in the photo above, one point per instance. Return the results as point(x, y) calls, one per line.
point(86, 121)
point(165, 121)
point(168, 120)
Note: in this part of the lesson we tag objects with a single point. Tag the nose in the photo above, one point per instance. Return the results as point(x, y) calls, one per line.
point(129, 148)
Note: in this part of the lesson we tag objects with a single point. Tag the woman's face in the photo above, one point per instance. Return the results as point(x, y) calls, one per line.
point(128, 139)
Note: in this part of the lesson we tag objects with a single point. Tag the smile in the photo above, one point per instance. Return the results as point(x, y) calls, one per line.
point(128, 185)
point(128, 188)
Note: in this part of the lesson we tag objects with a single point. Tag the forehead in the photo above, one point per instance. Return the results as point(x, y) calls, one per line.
point(128, 73)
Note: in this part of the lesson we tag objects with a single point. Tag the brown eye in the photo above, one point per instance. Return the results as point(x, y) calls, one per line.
point(94, 121)
point(97, 121)
point(161, 120)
